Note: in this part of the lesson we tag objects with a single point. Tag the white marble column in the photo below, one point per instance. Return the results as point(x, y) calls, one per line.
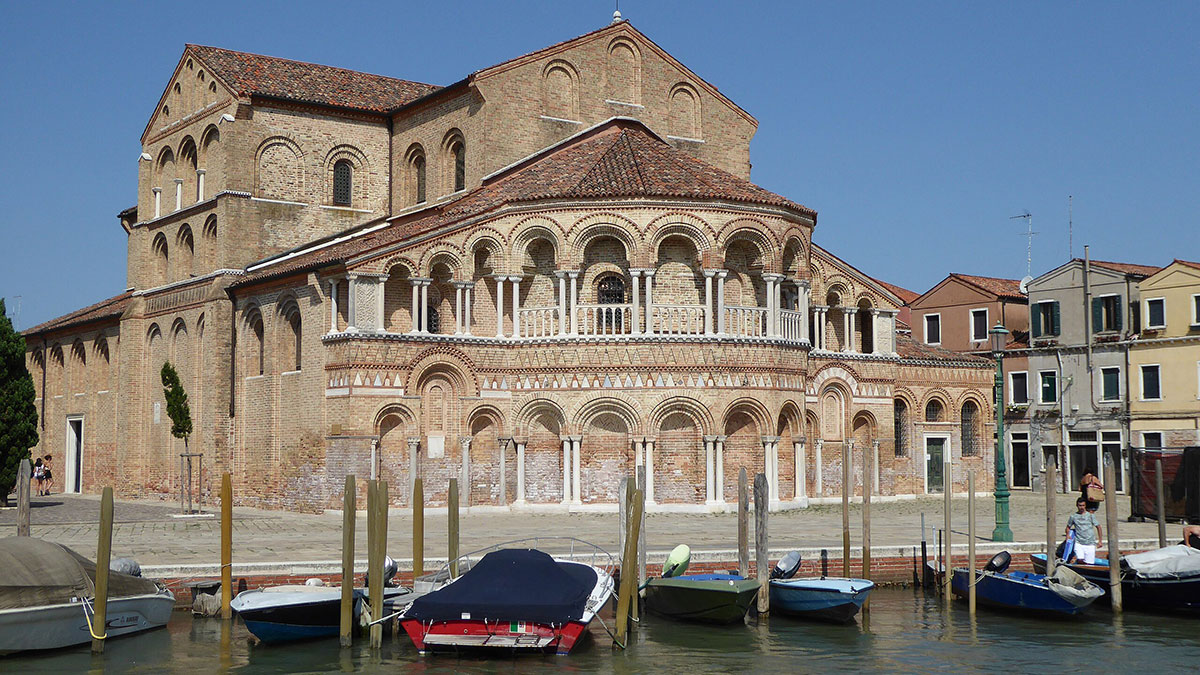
point(502, 451)
point(801, 470)
point(199, 185)
point(380, 290)
point(708, 304)
point(802, 305)
point(576, 483)
point(709, 468)
point(874, 331)
point(819, 468)
point(458, 307)
point(573, 275)
point(636, 276)
point(464, 479)
point(425, 283)
point(563, 321)
point(638, 457)
point(721, 274)
point(719, 484)
point(469, 298)
point(566, 468)
point(415, 308)
point(351, 303)
point(852, 321)
point(771, 467)
point(875, 467)
point(649, 470)
point(649, 275)
point(333, 306)
point(157, 201)
point(178, 193)
point(770, 280)
point(516, 306)
point(520, 472)
point(500, 281)
point(850, 458)
point(414, 466)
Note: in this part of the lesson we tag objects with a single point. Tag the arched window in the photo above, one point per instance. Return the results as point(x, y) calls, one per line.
point(968, 428)
point(460, 166)
point(343, 180)
point(185, 253)
point(900, 427)
point(254, 343)
point(610, 291)
point(289, 337)
point(933, 411)
point(432, 321)
point(159, 247)
point(419, 176)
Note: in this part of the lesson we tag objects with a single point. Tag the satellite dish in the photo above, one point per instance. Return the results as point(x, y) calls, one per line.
point(1024, 286)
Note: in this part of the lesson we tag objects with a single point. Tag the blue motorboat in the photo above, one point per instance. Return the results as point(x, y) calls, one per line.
point(1162, 580)
point(835, 599)
point(1064, 592)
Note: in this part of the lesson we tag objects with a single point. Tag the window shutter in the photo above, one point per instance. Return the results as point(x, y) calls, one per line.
point(1119, 315)
point(1035, 320)
point(1097, 315)
point(1056, 325)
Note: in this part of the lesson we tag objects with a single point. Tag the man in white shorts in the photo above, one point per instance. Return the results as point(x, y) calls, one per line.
point(1087, 532)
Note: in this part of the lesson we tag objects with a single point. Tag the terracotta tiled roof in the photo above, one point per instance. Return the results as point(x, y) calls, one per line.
point(105, 309)
point(1189, 263)
point(906, 296)
point(253, 74)
point(1125, 268)
point(1001, 288)
point(620, 158)
point(910, 349)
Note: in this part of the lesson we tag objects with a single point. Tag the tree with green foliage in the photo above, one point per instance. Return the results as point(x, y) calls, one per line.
point(177, 404)
point(18, 413)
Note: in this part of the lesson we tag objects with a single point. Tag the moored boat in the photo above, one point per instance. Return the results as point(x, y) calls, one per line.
point(707, 598)
point(1163, 580)
point(512, 600)
point(47, 596)
point(1065, 592)
point(834, 599)
point(298, 612)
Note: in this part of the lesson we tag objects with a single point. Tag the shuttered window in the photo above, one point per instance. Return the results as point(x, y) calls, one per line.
point(343, 180)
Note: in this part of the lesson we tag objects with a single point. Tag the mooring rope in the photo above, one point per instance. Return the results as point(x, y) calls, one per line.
point(86, 606)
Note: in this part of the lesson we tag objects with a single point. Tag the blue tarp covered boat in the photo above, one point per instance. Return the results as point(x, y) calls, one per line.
point(1163, 580)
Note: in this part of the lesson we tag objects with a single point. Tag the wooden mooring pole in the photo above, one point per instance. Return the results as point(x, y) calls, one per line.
point(847, 488)
point(376, 573)
point(23, 472)
point(743, 524)
point(948, 563)
point(452, 527)
point(99, 625)
point(627, 592)
point(1160, 503)
point(1051, 488)
point(349, 515)
point(1114, 547)
point(226, 545)
point(971, 541)
point(374, 564)
point(418, 518)
point(761, 562)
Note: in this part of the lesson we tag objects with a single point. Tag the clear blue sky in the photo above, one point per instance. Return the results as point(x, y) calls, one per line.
point(915, 129)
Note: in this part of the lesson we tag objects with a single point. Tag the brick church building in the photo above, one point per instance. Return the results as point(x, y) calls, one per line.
point(534, 279)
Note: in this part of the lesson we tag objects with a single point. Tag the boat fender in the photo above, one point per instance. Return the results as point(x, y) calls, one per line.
point(998, 563)
point(315, 581)
point(677, 562)
point(787, 566)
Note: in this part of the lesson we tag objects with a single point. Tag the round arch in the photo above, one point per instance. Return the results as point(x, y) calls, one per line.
point(700, 413)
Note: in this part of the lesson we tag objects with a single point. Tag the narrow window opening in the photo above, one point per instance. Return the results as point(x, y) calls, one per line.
point(343, 182)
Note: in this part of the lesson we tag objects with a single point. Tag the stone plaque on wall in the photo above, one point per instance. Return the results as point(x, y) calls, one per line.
point(435, 447)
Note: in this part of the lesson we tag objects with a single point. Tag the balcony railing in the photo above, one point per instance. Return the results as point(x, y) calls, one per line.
point(746, 321)
point(605, 319)
point(791, 325)
point(677, 319)
point(539, 322)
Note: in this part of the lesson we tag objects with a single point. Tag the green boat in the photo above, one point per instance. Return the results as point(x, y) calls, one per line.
point(708, 598)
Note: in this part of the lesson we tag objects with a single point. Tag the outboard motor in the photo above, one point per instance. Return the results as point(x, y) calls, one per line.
point(787, 566)
point(677, 562)
point(998, 563)
point(389, 571)
point(126, 566)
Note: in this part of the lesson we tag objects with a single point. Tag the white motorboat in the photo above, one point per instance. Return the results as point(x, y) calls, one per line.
point(47, 596)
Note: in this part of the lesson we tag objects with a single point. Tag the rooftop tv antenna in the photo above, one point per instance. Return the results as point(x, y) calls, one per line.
point(1070, 229)
point(1029, 233)
point(617, 12)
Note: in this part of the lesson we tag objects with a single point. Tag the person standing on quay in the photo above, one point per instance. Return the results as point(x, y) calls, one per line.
point(1088, 534)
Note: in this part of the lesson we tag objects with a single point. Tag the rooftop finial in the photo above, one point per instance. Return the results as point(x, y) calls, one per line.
point(617, 16)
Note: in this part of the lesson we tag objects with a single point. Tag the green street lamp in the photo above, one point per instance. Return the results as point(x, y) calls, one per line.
point(999, 337)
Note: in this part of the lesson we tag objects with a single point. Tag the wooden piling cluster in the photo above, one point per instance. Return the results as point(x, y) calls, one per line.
point(627, 591)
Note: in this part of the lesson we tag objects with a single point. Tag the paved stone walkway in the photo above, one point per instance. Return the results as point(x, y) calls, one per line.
point(146, 530)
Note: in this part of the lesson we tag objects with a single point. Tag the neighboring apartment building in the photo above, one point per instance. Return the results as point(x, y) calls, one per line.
point(1080, 316)
point(533, 280)
point(1164, 360)
point(957, 314)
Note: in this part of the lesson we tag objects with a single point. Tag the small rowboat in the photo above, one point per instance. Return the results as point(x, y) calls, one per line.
point(285, 613)
point(833, 599)
point(706, 598)
point(1063, 593)
point(512, 600)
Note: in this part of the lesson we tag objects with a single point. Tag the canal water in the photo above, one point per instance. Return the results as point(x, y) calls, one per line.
point(906, 632)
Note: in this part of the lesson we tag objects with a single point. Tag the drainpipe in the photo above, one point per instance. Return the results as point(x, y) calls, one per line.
point(45, 366)
point(1087, 306)
point(1062, 422)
